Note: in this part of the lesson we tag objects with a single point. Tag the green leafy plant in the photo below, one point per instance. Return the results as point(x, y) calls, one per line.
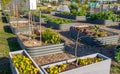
point(81, 13)
point(48, 10)
point(96, 28)
point(117, 54)
point(88, 61)
point(33, 36)
point(56, 69)
point(73, 6)
point(24, 64)
point(48, 36)
point(109, 15)
point(23, 10)
point(59, 21)
point(98, 31)
point(93, 16)
point(74, 11)
point(117, 18)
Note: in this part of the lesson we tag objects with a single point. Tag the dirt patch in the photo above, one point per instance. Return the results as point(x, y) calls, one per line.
point(30, 42)
point(42, 60)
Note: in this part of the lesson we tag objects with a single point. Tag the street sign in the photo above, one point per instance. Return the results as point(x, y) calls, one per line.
point(31, 4)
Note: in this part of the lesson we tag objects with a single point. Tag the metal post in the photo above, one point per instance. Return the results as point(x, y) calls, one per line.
point(16, 10)
point(76, 47)
point(40, 26)
point(29, 20)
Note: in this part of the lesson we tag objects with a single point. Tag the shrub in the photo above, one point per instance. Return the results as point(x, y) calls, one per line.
point(48, 36)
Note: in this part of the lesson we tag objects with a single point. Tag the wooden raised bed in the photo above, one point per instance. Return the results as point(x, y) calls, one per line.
point(23, 52)
point(98, 67)
point(93, 41)
point(40, 50)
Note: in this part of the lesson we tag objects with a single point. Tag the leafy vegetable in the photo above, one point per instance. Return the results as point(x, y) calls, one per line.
point(103, 16)
point(48, 36)
point(117, 54)
point(59, 21)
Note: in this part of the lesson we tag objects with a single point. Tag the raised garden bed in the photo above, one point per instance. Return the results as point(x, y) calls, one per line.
point(19, 26)
point(94, 36)
point(78, 18)
point(61, 24)
point(90, 64)
point(35, 47)
point(25, 57)
point(101, 22)
point(47, 59)
point(103, 18)
point(5, 16)
point(65, 16)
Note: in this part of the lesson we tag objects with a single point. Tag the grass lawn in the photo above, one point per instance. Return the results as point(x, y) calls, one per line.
point(9, 43)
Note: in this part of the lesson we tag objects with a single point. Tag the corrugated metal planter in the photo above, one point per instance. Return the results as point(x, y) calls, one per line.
point(53, 12)
point(81, 18)
point(102, 67)
point(65, 16)
point(95, 41)
point(19, 29)
point(14, 69)
point(21, 20)
point(60, 26)
point(22, 29)
point(43, 50)
point(101, 22)
point(78, 18)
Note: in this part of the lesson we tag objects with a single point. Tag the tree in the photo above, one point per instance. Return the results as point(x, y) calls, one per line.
point(5, 3)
